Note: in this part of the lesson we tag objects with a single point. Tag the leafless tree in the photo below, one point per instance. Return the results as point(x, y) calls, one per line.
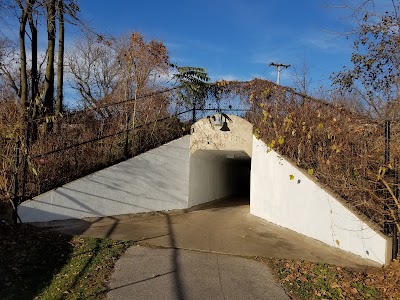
point(93, 64)
point(376, 56)
point(302, 77)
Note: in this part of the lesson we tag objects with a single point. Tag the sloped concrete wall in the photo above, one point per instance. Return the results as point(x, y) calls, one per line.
point(153, 181)
point(303, 206)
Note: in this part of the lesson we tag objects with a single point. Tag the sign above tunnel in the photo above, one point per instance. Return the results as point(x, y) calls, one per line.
point(222, 132)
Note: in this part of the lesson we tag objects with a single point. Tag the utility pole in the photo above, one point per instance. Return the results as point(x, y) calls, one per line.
point(279, 68)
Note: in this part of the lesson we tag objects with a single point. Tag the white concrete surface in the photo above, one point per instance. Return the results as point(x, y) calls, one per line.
point(206, 135)
point(303, 206)
point(153, 181)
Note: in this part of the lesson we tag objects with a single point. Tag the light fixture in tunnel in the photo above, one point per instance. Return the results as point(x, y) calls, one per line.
point(225, 127)
point(225, 124)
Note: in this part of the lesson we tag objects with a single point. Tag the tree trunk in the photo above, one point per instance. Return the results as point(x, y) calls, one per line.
point(22, 57)
point(60, 63)
point(34, 49)
point(49, 75)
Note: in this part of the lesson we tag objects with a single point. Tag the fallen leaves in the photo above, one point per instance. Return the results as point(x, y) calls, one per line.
point(308, 280)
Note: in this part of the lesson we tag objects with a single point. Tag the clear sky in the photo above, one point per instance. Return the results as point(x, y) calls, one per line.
point(235, 39)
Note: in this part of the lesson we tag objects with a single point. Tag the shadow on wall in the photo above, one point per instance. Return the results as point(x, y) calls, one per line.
point(31, 211)
point(153, 181)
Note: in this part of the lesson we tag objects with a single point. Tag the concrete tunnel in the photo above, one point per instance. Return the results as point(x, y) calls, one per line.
point(211, 164)
point(220, 161)
point(207, 165)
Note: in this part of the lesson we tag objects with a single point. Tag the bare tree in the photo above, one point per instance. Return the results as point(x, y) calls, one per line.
point(34, 61)
point(25, 10)
point(60, 60)
point(34, 87)
point(92, 62)
point(302, 77)
point(51, 43)
point(9, 66)
point(376, 57)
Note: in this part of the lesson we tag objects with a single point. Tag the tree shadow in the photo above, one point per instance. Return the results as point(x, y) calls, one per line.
point(179, 286)
point(29, 259)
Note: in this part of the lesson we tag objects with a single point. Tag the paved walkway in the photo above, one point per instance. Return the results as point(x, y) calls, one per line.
point(222, 227)
point(144, 273)
point(198, 254)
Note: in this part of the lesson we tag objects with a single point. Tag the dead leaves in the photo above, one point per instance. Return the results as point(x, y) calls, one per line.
point(307, 280)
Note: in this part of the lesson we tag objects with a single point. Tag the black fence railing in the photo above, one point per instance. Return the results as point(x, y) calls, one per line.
point(83, 141)
point(357, 157)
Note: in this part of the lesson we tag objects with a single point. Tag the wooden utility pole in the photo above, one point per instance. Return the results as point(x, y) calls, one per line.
point(279, 68)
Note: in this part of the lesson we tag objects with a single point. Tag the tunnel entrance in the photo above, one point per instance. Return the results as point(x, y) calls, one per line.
point(220, 161)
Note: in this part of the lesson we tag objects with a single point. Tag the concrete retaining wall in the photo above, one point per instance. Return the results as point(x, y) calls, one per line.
point(153, 181)
point(303, 206)
point(211, 165)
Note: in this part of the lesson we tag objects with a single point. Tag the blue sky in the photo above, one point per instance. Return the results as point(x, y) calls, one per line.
point(235, 39)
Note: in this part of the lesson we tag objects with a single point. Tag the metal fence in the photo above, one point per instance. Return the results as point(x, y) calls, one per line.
point(58, 149)
point(355, 156)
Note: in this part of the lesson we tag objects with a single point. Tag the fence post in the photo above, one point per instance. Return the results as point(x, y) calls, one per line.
point(25, 161)
point(387, 142)
point(16, 182)
point(126, 145)
point(386, 226)
point(194, 113)
point(396, 176)
point(391, 226)
point(395, 237)
point(395, 241)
